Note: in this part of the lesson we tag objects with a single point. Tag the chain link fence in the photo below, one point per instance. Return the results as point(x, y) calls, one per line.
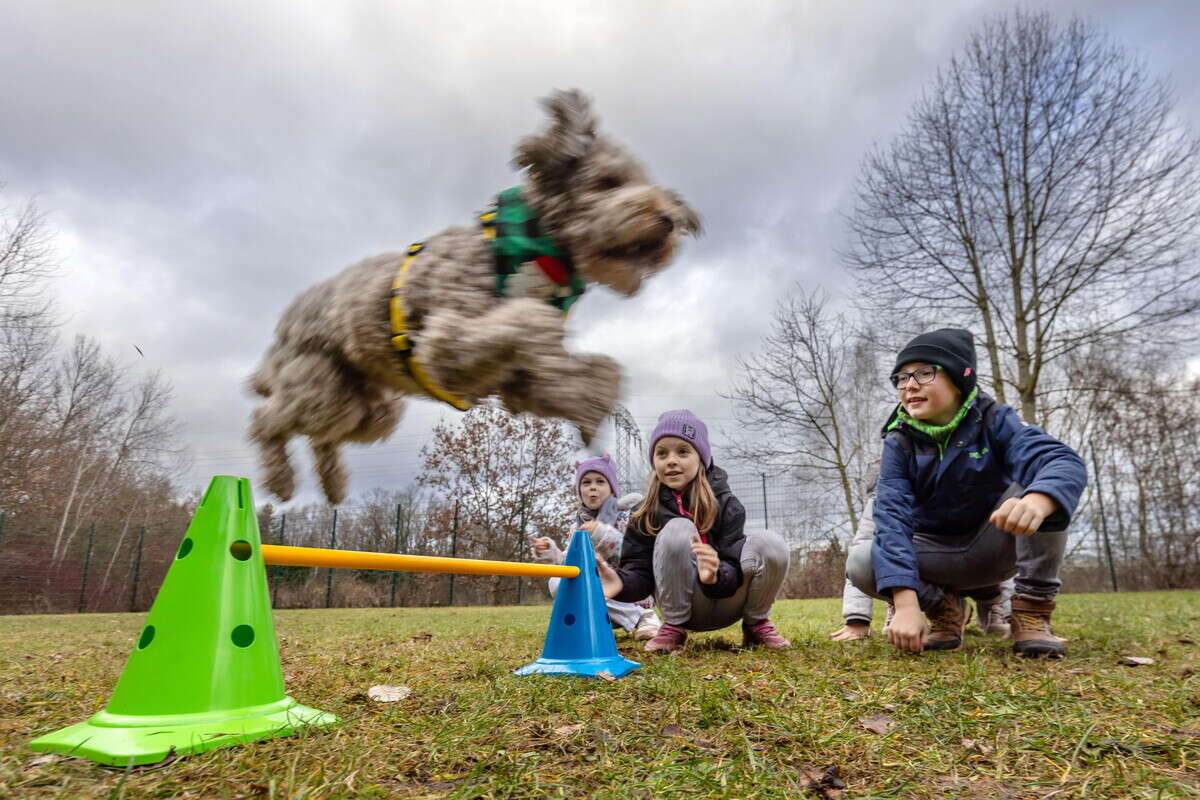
point(118, 566)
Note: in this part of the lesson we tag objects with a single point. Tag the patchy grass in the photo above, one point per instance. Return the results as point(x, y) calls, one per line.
point(712, 722)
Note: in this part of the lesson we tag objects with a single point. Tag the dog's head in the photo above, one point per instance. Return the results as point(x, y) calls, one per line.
point(596, 200)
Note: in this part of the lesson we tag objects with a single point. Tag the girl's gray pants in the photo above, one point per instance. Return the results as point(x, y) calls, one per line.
point(677, 583)
point(974, 565)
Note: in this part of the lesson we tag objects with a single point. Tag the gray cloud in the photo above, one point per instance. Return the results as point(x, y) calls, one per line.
point(204, 163)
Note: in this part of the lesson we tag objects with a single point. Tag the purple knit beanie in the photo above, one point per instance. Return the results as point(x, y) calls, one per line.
point(602, 464)
point(685, 425)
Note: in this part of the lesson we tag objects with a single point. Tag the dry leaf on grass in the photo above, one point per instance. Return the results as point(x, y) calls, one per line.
point(388, 694)
point(976, 746)
point(824, 783)
point(671, 730)
point(42, 761)
point(879, 723)
point(567, 730)
point(421, 637)
point(1136, 661)
point(608, 676)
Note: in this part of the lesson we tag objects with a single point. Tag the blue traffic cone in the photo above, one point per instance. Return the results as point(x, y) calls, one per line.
point(579, 639)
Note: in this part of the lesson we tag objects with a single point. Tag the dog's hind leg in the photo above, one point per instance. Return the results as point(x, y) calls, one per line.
point(280, 478)
point(330, 470)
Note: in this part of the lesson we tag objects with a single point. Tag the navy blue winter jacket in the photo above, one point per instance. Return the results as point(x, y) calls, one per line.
point(925, 489)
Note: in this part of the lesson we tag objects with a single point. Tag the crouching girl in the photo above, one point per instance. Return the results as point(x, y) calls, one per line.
point(685, 544)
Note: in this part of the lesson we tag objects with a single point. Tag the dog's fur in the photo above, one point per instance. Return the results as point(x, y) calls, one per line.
point(333, 375)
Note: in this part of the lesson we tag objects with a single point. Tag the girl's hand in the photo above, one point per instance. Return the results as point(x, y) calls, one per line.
point(907, 631)
point(706, 560)
point(610, 581)
point(1023, 516)
point(588, 526)
point(851, 632)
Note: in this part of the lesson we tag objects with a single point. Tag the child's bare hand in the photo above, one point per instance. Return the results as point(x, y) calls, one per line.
point(588, 526)
point(706, 560)
point(610, 581)
point(1023, 515)
point(907, 630)
point(851, 632)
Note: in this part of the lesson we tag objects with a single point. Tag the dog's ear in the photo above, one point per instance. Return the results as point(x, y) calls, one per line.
point(689, 220)
point(552, 155)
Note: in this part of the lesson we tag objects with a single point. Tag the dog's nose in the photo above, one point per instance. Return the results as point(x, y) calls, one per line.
point(667, 221)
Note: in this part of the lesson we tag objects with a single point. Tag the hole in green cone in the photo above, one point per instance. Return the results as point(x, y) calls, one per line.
point(185, 547)
point(146, 638)
point(240, 550)
point(243, 635)
point(569, 619)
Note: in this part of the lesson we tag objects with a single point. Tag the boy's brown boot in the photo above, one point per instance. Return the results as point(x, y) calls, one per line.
point(1031, 631)
point(946, 622)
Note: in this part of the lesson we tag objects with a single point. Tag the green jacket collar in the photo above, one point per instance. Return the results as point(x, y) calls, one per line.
point(938, 433)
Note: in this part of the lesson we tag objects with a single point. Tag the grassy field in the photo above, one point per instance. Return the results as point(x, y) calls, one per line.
point(711, 722)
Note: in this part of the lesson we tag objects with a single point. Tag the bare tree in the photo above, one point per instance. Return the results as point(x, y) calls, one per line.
point(510, 475)
point(1041, 189)
point(27, 259)
point(812, 400)
point(1142, 449)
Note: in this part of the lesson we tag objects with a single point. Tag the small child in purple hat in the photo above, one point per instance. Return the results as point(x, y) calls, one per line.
point(604, 517)
point(685, 544)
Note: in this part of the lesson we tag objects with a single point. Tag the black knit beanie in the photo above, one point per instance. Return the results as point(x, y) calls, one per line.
point(952, 349)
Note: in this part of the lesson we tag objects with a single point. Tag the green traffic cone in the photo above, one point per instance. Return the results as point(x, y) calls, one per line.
point(205, 672)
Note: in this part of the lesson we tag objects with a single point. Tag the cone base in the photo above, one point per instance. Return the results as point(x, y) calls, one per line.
point(615, 666)
point(145, 742)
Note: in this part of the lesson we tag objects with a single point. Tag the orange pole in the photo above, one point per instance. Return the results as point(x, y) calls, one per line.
point(351, 559)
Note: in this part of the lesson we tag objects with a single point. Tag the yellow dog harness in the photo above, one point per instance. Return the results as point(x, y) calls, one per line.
point(404, 345)
point(527, 261)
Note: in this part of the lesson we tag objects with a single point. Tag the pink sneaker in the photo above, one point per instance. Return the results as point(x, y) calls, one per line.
point(763, 634)
point(668, 639)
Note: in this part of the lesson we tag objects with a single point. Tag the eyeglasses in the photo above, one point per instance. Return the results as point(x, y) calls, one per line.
point(922, 375)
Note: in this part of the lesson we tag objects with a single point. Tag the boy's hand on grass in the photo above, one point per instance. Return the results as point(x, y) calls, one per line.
point(851, 632)
point(907, 629)
point(1023, 516)
point(706, 560)
point(610, 581)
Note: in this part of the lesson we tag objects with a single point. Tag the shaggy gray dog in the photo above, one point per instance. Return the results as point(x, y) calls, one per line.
point(469, 327)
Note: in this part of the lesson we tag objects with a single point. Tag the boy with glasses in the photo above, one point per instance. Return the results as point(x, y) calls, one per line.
point(968, 496)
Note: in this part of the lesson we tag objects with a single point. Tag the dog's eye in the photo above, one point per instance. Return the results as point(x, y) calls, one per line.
point(607, 183)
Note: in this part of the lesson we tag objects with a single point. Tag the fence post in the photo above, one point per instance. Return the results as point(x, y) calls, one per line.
point(395, 549)
point(521, 539)
point(277, 571)
point(329, 574)
point(1112, 570)
point(453, 549)
point(137, 568)
point(766, 515)
point(87, 562)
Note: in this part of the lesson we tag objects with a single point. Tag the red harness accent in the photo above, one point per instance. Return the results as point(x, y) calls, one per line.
point(684, 512)
point(553, 269)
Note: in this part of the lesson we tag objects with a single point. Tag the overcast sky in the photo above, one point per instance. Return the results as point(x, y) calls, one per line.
point(202, 163)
